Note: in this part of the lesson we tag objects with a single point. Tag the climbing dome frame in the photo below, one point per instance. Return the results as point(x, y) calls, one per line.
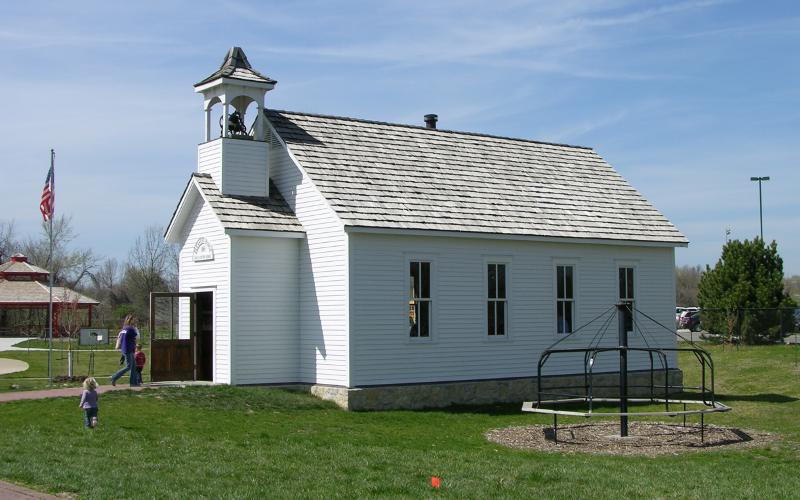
point(591, 399)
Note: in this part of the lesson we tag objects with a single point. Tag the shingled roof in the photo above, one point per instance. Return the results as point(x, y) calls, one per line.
point(19, 265)
point(383, 175)
point(236, 66)
point(20, 293)
point(248, 212)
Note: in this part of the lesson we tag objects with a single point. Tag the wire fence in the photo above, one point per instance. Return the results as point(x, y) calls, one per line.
point(744, 325)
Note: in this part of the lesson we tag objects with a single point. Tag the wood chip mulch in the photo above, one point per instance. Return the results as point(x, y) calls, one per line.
point(648, 439)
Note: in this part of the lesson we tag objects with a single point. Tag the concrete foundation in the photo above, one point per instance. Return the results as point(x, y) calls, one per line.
point(478, 392)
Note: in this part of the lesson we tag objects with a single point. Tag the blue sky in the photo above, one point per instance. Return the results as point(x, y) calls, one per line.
point(687, 100)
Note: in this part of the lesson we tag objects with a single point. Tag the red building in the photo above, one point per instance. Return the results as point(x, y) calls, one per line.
point(24, 286)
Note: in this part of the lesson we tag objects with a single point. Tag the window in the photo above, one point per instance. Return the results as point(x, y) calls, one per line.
point(497, 300)
point(419, 299)
point(565, 298)
point(626, 295)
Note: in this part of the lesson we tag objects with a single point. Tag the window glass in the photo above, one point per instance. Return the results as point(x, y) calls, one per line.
point(491, 318)
point(626, 294)
point(419, 300)
point(501, 281)
point(414, 279)
point(426, 280)
point(425, 315)
point(501, 318)
point(565, 303)
point(560, 282)
point(568, 282)
point(496, 316)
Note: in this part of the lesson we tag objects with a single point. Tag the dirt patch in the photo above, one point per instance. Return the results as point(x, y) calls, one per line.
point(644, 438)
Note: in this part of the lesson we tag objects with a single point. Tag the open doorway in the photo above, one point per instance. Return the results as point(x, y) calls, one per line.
point(181, 336)
point(205, 335)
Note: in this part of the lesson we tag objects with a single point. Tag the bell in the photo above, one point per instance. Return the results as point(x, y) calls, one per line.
point(236, 124)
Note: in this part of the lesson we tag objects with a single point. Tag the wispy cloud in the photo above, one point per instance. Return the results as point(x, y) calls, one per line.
point(549, 42)
point(580, 128)
point(37, 39)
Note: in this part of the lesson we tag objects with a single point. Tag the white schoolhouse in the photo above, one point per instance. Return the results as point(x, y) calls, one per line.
point(387, 265)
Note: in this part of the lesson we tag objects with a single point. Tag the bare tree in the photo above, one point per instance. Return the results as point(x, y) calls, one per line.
point(109, 288)
point(69, 267)
point(8, 242)
point(107, 280)
point(687, 280)
point(151, 267)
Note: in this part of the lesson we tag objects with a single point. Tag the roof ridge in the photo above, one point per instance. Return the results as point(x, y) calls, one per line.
point(422, 127)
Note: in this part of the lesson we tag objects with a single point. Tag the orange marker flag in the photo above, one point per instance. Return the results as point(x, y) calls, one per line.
point(436, 482)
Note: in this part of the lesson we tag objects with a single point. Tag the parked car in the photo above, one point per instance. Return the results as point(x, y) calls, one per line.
point(690, 319)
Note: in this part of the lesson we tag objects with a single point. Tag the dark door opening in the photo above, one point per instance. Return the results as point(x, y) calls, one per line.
point(172, 334)
point(205, 335)
point(181, 336)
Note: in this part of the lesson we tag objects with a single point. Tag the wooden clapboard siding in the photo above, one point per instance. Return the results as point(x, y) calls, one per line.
point(246, 171)
point(323, 276)
point(246, 168)
point(264, 310)
point(382, 352)
point(209, 160)
point(210, 275)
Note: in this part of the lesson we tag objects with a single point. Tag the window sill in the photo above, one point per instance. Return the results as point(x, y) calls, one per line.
point(495, 338)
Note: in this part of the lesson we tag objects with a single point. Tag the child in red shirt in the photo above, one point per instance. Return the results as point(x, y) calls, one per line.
point(140, 359)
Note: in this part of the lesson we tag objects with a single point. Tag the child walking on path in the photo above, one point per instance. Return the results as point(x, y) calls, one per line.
point(89, 403)
point(140, 359)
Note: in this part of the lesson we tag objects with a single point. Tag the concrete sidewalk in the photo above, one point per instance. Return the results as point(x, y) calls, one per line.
point(66, 392)
point(12, 366)
point(7, 343)
point(13, 492)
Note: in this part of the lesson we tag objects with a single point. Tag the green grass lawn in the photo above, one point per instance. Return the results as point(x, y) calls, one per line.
point(233, 442)
point(106, 362)
point(62, 344)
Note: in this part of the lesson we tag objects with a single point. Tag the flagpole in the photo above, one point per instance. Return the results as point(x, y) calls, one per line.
point(49, 265)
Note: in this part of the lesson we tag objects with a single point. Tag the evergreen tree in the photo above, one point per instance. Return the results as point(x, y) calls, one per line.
point(740, 295)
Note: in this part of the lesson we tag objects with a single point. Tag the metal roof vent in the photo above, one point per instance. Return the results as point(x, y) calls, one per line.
point(430, 120)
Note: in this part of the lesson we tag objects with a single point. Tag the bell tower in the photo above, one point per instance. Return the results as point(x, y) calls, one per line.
point(237, 155)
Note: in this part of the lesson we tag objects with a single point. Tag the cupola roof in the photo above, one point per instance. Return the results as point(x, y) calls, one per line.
point(237, 67)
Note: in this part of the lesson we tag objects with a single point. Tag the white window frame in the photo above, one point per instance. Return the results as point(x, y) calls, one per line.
point(575, 294)
point(496, 260)
point(627, 265)
point(410, 258)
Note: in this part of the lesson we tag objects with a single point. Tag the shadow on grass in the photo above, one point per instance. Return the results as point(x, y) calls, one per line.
point(504, 408)
point(759, 398)
point(494, 410)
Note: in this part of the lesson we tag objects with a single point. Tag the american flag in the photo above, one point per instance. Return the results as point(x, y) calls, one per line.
point(48, 204)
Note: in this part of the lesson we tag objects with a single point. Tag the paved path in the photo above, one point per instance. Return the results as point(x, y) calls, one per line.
point(10, 491)
point(7, 343)
point(64, 393)
point(12, 366)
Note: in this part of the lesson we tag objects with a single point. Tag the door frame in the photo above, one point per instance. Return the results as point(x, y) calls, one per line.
point(192, 324)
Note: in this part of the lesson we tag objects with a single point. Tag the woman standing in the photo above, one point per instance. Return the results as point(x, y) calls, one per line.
point(126, 342)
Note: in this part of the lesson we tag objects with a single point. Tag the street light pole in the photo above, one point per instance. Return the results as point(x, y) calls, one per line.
point(760, 210)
